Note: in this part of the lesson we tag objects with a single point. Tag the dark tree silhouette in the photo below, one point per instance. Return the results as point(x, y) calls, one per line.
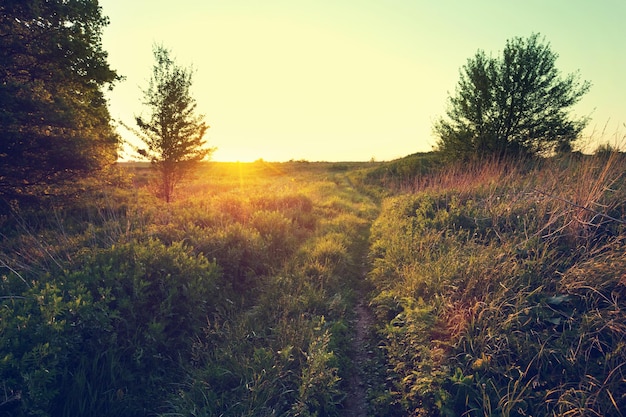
point(516, 103)
point(173, 133)
point(54, 122)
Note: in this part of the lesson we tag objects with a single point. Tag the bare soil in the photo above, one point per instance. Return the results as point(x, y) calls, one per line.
point(356, 401)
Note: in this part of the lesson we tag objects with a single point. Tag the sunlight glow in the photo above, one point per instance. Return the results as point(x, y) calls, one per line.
point(345, 80)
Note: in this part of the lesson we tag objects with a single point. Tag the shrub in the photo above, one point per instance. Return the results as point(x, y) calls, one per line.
point(278, 232)
point(103, 336)
point(240, 251)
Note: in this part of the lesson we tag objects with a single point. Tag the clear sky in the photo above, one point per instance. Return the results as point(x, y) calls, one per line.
point(351, 80)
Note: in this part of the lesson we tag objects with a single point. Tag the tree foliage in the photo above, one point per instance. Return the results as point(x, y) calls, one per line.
point(515, 103)
point(173, 133)
point(54, 122)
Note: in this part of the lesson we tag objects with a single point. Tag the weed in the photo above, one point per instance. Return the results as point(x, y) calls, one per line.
point(516, 269)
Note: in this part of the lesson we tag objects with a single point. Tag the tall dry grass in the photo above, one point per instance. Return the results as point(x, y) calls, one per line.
point(513, 270)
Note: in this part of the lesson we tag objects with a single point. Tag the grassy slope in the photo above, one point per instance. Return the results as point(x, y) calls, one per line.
point(499, 289)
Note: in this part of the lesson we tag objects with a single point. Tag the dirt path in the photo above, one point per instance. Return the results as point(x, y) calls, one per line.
point(356, 401)
point(364, 342)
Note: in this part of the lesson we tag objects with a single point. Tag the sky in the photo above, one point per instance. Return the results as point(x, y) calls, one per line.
point(351, 80)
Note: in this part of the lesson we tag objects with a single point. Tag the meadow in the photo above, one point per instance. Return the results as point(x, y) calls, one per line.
point(491, 289)
point(232, 300)
point(499, 289)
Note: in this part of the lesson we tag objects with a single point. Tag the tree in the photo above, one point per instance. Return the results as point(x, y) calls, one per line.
point(517, 103)
point(173, 133)
point(54, 121)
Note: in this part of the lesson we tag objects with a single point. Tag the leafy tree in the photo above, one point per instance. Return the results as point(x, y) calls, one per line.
point(173, 133)
point(54, 122)
point(516, 103)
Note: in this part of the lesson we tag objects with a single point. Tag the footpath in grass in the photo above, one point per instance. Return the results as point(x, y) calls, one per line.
point(288, 290)
point(365, 371)
point(299, 344)
point(242, 297)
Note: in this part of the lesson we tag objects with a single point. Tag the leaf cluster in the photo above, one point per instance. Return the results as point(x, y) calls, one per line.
point(54, 123)
point(515, 103)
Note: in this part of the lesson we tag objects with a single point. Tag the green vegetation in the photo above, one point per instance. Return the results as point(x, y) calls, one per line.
point(514, 104)
point(401, 172)
point(173, 134)
point(499, 290)
point(54, 121)
point(496, 289)
point(233, 300)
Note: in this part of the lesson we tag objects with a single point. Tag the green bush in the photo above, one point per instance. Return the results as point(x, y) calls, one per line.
point(240, 251)
point(279, 233)
point(105, 335)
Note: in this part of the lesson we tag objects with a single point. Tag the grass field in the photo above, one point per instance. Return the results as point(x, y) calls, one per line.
point(267, 289)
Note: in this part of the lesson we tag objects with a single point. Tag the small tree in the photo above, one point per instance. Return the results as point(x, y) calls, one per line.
point(517, 103)
point(173, 133)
